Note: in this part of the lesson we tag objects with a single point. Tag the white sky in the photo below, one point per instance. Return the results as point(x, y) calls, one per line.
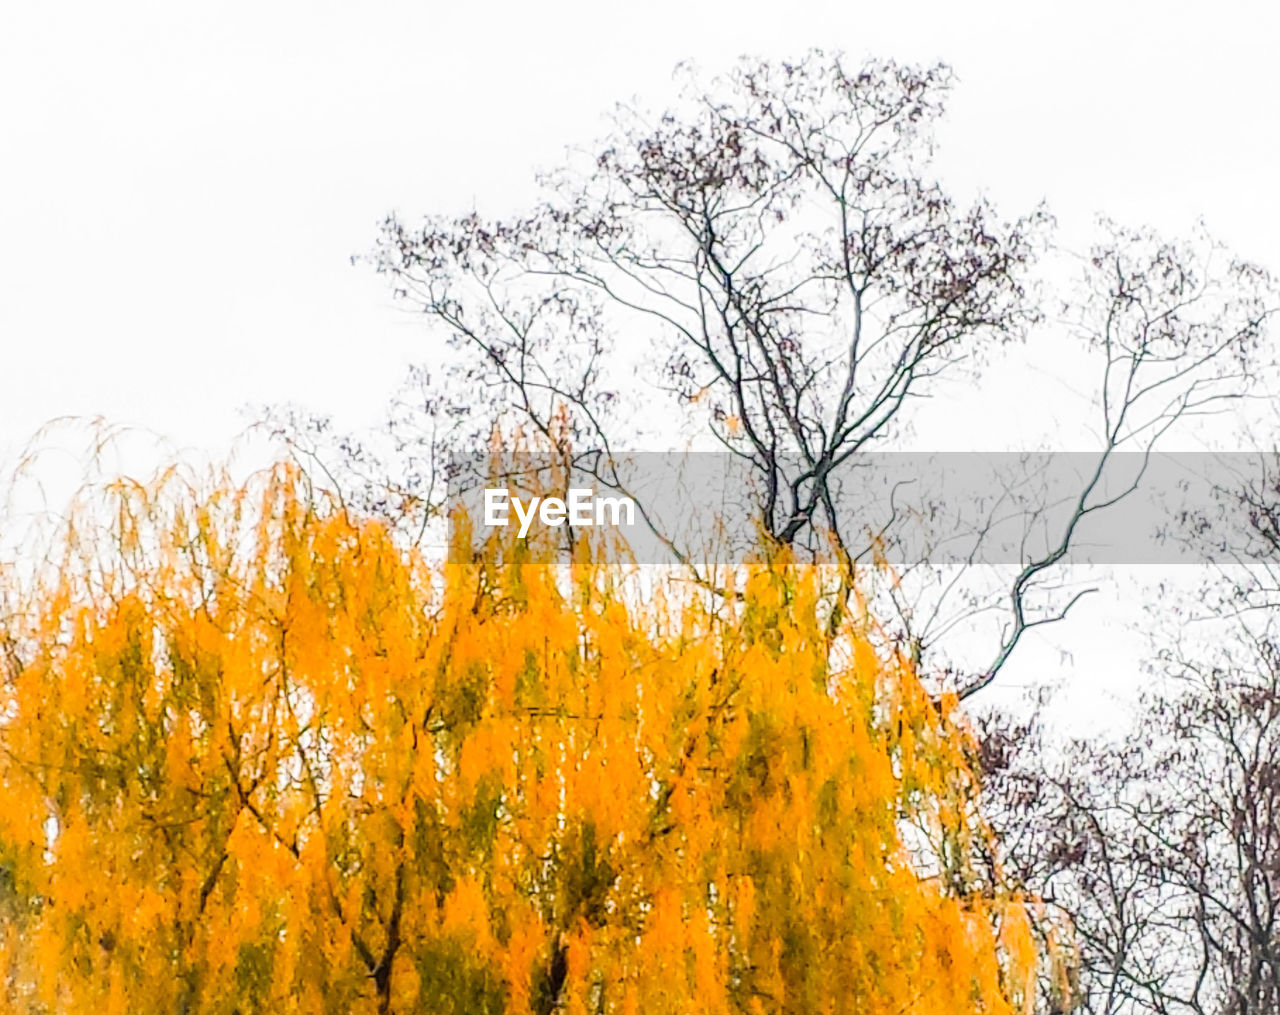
point(181, 188)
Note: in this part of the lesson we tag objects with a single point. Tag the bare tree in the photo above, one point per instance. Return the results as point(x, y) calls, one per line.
point(1164, 846)
point(795, 275)
point(789, 278)
point(1178, 329)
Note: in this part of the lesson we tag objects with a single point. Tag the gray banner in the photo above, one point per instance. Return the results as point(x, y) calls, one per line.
point(946, 509)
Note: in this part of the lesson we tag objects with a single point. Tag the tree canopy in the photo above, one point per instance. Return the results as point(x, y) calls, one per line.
point(255, 756)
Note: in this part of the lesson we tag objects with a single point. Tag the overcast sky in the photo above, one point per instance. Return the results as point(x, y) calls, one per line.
point(181, 187)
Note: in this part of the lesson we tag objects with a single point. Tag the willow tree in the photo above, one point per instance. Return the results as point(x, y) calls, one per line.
point(256, 757)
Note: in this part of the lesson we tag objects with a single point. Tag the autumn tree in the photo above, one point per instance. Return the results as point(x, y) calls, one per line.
point(254, 757)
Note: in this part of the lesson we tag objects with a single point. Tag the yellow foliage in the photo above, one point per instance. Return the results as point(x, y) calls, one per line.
point(255, 757)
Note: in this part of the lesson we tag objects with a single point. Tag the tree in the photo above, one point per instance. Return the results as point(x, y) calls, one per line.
point(1164, 847)
point(254, 756)
point(1161, 844)
point(790, 279)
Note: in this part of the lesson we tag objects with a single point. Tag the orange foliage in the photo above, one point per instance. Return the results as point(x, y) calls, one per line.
point(254, 757)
